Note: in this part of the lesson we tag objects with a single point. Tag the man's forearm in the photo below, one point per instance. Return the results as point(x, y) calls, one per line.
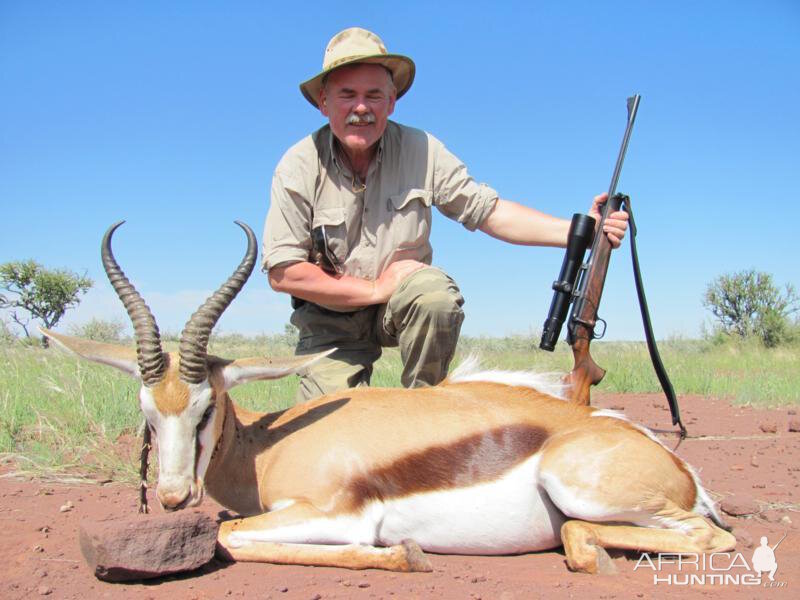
point(518, 224)
point(309, 282)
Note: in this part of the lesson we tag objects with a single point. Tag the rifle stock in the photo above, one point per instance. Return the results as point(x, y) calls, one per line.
point(580, 327)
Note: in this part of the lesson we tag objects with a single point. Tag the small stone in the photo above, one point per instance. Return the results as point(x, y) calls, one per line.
point(283, 589)
point(44, 590)
point(738, 506)
point(754, 461)
point(363, 585)
point(786, 520)
point(68, 506)
point(794, 425)
point(768, 427)
point(38, 548)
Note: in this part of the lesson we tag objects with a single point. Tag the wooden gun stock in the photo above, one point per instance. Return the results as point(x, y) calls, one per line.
point(580, 328)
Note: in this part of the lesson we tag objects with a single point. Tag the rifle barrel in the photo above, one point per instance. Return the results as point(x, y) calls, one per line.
point(633, 106)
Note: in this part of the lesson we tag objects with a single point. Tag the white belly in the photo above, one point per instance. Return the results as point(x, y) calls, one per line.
point(506, 516)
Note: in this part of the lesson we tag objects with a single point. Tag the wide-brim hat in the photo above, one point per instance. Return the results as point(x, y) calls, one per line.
point(357, 45)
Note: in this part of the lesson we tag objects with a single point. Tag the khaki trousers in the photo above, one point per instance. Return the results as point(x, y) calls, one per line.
point(423, 318)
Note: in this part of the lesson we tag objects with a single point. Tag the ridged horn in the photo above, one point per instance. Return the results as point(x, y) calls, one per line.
point(194, 338)
point(148, 340)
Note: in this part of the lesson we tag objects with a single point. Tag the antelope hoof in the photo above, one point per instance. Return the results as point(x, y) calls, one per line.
point(415, 557)
point(594, 561)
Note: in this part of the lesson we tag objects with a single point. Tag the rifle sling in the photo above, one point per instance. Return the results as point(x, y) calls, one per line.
point(661, 372)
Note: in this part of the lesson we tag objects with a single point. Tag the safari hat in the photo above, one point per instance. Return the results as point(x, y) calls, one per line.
point(357, 45)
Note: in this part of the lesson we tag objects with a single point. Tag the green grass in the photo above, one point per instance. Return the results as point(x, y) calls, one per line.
point(62, 417)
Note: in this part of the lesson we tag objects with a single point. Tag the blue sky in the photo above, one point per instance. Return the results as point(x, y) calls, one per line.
point(172, 116)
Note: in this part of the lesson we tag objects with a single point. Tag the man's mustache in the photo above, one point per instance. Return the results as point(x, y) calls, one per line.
point(354, 119)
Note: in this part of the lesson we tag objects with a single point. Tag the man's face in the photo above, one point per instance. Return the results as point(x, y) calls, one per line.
point(358, 100)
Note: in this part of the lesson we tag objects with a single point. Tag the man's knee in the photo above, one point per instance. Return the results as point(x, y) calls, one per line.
point(429, 293)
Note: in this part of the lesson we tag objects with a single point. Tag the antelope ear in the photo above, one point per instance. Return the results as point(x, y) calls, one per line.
point(120, 357)
point(243, 370)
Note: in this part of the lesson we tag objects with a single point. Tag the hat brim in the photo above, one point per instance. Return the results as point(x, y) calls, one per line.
point(402, 68)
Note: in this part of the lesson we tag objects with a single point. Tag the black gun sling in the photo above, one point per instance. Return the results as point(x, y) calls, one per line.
point(655, 357)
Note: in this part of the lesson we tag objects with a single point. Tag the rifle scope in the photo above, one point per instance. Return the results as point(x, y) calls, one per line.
point(581, 232)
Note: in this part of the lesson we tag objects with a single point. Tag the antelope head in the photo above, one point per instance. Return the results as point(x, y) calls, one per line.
point(183, 395)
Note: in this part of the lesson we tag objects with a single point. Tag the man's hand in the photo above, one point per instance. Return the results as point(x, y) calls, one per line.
point(392, 277)
point(616, 223)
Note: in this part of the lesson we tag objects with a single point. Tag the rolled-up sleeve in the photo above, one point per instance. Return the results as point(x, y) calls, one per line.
point(287, 230)
point(456, 194)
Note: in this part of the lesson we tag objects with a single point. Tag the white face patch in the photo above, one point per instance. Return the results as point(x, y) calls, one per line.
point(181, 471)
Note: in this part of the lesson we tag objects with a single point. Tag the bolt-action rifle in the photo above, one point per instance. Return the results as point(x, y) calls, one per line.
point(580, 285)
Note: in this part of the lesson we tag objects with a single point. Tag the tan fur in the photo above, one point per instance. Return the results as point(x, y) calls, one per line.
point(442, 421)
point(582, 452)
point(171, 395)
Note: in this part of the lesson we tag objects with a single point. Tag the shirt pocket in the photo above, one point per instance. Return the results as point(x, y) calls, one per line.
point(332, 218)
point(411, 217)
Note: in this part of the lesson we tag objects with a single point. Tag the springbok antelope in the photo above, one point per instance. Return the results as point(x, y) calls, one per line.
point(368, 478)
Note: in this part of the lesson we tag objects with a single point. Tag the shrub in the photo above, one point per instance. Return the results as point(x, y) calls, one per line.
point(749, 304)
point(99, 330)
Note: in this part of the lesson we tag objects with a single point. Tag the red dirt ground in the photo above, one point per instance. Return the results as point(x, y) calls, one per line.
point(745, 456)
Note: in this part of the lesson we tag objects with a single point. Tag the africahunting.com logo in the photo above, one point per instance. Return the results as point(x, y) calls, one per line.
point(719, 568)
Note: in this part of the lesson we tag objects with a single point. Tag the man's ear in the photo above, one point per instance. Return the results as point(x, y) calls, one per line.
point(119, 357)
point(323, 99)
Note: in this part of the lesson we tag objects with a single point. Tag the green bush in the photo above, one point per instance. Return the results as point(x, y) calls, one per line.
point(100, 330)
point(748, 304)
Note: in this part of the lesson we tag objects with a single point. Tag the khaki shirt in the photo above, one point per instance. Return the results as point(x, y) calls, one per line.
point(369, 227)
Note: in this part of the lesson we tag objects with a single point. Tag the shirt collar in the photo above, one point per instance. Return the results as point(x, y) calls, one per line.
point(335, 153)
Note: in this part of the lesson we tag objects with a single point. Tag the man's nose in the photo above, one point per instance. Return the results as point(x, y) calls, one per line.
point(360, 106)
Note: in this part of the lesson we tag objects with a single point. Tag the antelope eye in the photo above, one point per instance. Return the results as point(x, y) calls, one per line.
point(205, 418)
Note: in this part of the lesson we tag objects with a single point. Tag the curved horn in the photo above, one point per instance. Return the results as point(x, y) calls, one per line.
point(194, 338)
point(148, 340)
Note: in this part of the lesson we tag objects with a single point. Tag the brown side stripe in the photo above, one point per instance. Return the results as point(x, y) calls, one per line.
point(469, 461)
